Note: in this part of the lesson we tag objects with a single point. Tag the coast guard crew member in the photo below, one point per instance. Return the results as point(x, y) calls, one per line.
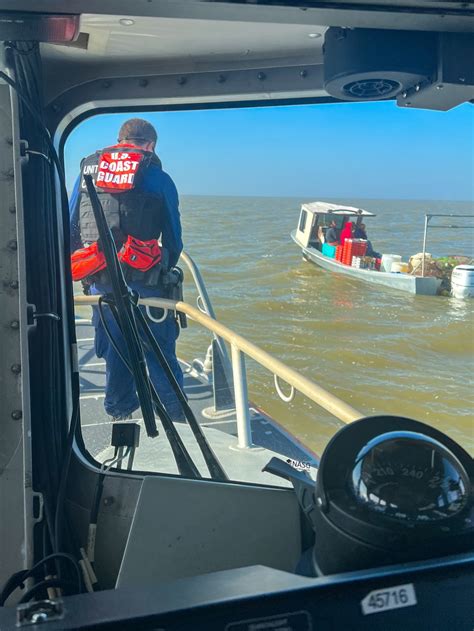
point(140, 202)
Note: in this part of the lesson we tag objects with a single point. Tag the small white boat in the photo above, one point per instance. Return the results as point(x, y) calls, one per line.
point(316, 217)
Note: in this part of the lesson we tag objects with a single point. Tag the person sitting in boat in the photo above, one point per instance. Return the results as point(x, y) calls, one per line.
point(361, 233)
point(320, 234)
point(347, 232)
point(332, 236)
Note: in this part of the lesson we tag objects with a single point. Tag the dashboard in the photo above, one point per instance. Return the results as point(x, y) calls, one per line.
point(424, 595)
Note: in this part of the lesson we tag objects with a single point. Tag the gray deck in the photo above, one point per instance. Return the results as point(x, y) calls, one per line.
point(154, 454)
point(427, 286)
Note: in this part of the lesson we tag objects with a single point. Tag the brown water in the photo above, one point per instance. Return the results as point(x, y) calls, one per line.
point(381, 350)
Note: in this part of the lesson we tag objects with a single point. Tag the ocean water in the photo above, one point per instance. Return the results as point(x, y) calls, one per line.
point(380, 350)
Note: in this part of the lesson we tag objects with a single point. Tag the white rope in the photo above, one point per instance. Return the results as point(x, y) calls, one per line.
point(200, 304)
point(156, 320)
point(286, 398)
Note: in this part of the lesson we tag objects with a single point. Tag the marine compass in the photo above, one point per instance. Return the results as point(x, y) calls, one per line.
point(388, 490)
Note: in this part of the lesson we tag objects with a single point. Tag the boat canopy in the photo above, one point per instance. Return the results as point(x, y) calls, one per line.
point(324, 208)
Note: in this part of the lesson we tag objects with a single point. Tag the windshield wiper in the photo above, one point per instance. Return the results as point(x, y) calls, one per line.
point(213, 464)
point(132, 314)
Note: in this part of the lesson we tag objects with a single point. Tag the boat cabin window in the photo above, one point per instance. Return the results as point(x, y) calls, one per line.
point(303, 219)
point(325, 220)
point(238, 208)
point(217, 234)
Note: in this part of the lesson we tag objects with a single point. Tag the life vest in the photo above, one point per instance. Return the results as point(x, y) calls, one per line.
point(134, 217)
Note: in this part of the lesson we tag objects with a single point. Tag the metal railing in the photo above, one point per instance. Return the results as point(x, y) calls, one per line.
point(239, 348)
point(204, 303)
point(428, 218)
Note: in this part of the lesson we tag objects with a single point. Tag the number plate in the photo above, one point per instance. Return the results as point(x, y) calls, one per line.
point(389, 598)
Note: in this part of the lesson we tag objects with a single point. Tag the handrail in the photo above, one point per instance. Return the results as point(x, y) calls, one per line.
point(428, 218)
point(199, 282)
point(313, 391)
point(203, 296)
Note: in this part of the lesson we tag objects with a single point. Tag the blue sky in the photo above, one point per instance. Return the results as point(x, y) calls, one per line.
point(353, 150)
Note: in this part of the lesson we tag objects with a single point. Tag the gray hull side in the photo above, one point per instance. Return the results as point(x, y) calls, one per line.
point(427, 286)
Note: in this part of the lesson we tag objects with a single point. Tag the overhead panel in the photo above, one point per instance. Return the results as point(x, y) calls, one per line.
point(187, 90)
point(150, 47)
point(196, 52)
point(114, 38)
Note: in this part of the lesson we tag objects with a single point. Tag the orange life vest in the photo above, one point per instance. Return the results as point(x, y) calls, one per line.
point(133, 216)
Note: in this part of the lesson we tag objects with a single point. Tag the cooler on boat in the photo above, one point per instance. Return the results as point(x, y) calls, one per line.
point(329, 250)
point(388, 260)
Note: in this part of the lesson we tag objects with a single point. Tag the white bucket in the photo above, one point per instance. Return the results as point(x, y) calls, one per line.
point(387, 260)
point(462, 281)
point(398, 267)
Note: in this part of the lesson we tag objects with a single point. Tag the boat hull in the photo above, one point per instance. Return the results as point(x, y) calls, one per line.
point(427, 286)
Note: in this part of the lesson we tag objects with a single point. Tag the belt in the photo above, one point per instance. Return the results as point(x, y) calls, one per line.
point(151, 278)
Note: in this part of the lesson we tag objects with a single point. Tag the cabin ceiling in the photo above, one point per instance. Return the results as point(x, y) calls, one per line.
point(172, 41)
point(136, 45)
point(114, 46)
point(166, 38)
point(199, 35)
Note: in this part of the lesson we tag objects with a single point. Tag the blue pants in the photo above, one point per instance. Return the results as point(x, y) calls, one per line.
point(372, 252)
point(120, 393)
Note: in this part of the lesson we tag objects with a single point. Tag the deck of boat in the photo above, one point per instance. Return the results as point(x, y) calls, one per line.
point(155, 455)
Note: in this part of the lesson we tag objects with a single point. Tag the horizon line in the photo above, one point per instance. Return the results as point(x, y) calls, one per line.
point(336, 197)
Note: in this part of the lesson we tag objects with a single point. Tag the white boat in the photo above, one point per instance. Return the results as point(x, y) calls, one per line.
point(319, 214)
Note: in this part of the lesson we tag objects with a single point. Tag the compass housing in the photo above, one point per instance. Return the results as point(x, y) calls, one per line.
point(388, 490)
point(409, 477)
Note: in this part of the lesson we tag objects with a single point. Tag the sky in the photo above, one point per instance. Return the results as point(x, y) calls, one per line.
point(350, 150)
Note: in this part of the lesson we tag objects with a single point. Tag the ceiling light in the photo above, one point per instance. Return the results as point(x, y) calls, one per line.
point(314, 35)
point(127, 22)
